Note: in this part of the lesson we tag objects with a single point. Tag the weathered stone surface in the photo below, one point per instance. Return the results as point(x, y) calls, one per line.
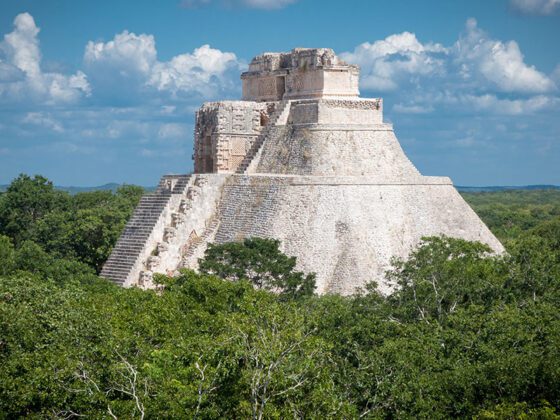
point(303, 160)
point(346, 229)
point(301, 73)
point(225, 132)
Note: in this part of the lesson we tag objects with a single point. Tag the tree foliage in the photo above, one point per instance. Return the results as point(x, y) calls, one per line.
point(261, 262)
point(464, 334)
point(83, 227)
point(25, 202)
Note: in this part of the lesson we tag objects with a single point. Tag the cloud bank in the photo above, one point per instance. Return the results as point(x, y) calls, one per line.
point(536, 7)
point(21, 76)
point(475, 72)
point(129, 62)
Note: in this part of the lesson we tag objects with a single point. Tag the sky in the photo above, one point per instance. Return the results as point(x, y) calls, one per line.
point(93, 92)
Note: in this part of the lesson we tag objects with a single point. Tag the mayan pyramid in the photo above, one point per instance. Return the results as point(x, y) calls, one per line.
point(303, 159)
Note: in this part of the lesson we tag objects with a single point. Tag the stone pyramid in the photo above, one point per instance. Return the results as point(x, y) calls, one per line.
point(303, 159)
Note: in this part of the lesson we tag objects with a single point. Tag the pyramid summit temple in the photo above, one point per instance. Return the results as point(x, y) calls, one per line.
point(302, 158)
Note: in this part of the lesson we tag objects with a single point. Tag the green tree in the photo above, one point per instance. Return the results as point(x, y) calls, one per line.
point(534, 269)
point(7, 263)
point(32, 258)
point(88, 230)
point(518, 411)
point(261, 262)
point(25, 202)
point(443, 274)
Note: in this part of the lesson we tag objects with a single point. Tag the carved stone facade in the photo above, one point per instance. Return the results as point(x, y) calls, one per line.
point(302, 73)
point(305, 160)
point(224, 132)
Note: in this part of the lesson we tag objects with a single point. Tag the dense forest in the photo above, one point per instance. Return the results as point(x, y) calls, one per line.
point(466, 334)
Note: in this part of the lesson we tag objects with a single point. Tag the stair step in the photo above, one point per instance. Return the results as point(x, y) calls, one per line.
point(123, 259)
point(256, 146)
point(118, 268)
point(131, 244)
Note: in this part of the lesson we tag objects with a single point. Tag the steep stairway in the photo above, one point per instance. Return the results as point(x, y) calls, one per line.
point(279, 114)
point(138, 229)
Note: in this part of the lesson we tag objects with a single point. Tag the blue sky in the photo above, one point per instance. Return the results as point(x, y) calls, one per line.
point(96, 92)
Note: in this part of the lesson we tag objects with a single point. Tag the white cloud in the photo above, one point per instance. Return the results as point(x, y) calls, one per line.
point(536, 7)
point(495, 105)
point(468, 102)
point(256, 4)
point(203, 71)
point(413, 109)
point(43, 120)
point(129, 63)
point(402, 61)
point(128, 54)
point(172, 131)
point(483, 60)
point(10, 73)
point(20, 69)
point(475, 74)
point(398, 57)
point(556, 75)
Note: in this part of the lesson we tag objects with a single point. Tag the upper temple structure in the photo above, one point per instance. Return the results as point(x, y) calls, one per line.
point(302, 159)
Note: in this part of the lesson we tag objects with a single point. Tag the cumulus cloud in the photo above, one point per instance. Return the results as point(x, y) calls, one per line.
point(478, 61)
point(202, 71)
point(476, 73)
point(127, 53)
point(128, 63)
point(256, 4)
point(536, 7)
point(387, 62)
point(482, 59)
point(10, 73)
point(21, 76)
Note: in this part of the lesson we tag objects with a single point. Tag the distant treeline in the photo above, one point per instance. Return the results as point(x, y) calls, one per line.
point(507, 188)
point(75, 190)
point(510, 213)
point(466, 334)
point(114, 187)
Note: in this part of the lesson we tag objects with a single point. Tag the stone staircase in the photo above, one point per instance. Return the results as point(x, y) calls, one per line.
point(138, 229)
point(279, 114)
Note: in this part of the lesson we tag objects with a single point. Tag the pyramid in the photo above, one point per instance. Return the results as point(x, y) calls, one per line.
point(302, 159)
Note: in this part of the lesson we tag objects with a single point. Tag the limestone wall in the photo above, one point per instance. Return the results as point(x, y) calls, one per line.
point(322, 82)
point(346, 229)
point(321, 149)
point(337, 111)
point(264, 89)
point(302, 73)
